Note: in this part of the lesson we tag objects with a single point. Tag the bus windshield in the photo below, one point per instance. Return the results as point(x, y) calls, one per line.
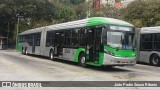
point(118, 40)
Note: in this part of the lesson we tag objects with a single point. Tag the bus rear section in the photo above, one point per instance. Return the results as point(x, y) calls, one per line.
point(149, 45)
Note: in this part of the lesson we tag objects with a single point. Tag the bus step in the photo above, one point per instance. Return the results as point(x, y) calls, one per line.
point(58, 57)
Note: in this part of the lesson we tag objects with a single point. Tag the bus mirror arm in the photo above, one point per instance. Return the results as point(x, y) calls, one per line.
point(57, 45)
point(90, 47)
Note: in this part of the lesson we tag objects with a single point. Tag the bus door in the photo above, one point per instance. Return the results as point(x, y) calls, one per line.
point(97, 43)
point(58, 43)
point(33, 43)
point(93, 44)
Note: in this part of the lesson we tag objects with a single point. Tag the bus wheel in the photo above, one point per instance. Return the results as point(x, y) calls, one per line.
point(51, 55)
point(82, 60)
point(155, 60)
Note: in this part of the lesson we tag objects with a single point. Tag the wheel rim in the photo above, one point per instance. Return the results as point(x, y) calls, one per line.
point(26, 51)
point(83, 60)
point(51, 56)
point(155, 60)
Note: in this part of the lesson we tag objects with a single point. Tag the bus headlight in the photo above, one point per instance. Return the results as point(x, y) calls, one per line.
point(133, 54)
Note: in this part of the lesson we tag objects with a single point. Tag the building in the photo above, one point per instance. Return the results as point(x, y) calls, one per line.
point(111, 2)
point(126, 2)
point(97, 4)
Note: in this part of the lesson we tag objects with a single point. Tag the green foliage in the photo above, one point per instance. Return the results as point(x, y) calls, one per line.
point(143, 13)
point(107, 11)
point(77, 1)
point(72, 1)
point(37, 13)
point(65, 14)
point(117, 0)
point(28, 11)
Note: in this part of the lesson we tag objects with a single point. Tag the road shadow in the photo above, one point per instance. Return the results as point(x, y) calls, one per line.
point(147, 64)
point(97, 68)
point(143, 63)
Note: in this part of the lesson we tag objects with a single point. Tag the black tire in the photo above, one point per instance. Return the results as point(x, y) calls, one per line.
point(155, 60)
point(109, 67)
point(51, 55)
point(82, 61)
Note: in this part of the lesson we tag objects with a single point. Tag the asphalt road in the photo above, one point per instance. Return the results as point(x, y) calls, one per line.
point(17, 67)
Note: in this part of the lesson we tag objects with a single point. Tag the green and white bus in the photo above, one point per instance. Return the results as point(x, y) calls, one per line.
point(95, 41)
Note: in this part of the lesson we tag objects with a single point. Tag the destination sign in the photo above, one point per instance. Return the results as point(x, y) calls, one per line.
point(120, 28)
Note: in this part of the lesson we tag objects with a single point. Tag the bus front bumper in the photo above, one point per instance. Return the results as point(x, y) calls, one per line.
point(119, 61)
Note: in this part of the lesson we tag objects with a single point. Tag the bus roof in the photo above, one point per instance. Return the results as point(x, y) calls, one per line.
point(103, 20)
point(81, 23)
point(90, 22)
point(150, 29)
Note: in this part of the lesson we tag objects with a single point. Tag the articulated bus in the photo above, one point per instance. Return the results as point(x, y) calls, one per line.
point(93, 41)
point(149, 45)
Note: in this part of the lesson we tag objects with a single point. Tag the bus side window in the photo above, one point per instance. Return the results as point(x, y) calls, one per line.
point(37, 39)
point(30, 39)
point(146, 42)
point(49, 41)
point(20, 38)
point(23, 38)
point(75, 37)
point(82, 38)
point(68, 37)
point(157, 41)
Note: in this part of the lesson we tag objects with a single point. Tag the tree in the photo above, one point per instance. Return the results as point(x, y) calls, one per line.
point(77, 1)
point(65, 14)
point(144, 12)
point(111, 11)
point(81, 10)
point(32, 11)
point(72, 1)
point(107, 10)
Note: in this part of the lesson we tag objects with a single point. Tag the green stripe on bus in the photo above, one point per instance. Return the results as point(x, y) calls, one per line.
point(78, 51)
point(101, 20)
point(121, 53)
point(18, 45)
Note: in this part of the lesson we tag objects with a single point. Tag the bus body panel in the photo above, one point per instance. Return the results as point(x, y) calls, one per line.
point(145, 56)
point(46, 51)
point(78, 52)
point(29, 48)
point(68, 54)
point(111, 60)
point(43, 49)
point(37, 50)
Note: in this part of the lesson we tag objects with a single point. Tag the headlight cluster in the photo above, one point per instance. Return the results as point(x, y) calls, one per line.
point(109, 52)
